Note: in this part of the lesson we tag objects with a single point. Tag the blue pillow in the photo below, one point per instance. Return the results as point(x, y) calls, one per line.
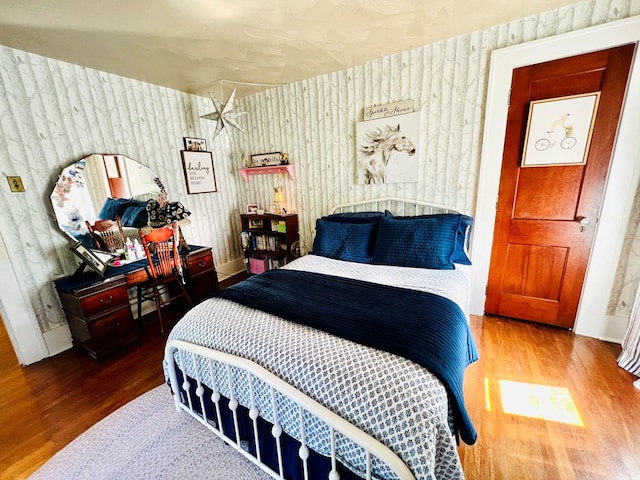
point(423, 242)
point(348, 216)
point(463, 235)
point(113, 207)
point(352, 242)
point(135, 216)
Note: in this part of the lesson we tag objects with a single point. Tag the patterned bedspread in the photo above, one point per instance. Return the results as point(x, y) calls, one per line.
point(374, 390)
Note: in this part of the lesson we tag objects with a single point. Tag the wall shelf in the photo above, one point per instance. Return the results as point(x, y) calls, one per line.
point(247, 172)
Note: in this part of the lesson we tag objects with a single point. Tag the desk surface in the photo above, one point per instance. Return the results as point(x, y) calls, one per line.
point(130, 271)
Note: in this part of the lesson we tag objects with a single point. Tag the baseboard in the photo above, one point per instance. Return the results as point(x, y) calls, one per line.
point(58, 340)
point(614, 329)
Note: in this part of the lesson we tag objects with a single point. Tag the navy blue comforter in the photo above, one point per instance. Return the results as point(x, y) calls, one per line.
point(425, 328)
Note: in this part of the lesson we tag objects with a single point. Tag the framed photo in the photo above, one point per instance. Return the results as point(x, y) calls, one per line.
point(195, 144)
point(266, 159)
point(89, 258)
point(198, 171)
point(252, 209)
point(559, 130)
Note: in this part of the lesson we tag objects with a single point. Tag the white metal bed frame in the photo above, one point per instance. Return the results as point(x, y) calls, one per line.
point(337, 425)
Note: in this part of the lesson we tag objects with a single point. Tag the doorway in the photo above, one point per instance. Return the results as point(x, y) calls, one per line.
point(561, 126)
point(592, 319)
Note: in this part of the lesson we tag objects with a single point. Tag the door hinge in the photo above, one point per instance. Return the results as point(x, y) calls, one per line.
point(497, 198)
point(509, 99)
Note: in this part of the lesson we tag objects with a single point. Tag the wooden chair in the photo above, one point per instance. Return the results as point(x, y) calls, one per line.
point(107, 234)
point(164, 269)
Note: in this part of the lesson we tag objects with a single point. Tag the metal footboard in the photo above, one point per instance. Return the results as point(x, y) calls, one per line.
point(185, 352)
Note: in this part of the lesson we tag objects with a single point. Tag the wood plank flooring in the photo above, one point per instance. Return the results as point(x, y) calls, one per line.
point(45, 405)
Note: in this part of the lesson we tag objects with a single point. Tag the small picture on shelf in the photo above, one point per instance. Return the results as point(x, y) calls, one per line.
point(252, 209)
point(255, 223)
point(278, 226)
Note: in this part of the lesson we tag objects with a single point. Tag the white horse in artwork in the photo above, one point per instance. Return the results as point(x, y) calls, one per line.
point(376, 149)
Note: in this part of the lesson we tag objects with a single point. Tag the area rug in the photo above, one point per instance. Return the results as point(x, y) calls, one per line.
point(145, 439)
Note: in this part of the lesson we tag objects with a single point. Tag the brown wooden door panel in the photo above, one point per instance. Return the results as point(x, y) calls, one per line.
point(544, 194)
point(535, 271)
point(540, 249)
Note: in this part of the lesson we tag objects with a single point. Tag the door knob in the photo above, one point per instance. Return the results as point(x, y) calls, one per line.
point(584, 221)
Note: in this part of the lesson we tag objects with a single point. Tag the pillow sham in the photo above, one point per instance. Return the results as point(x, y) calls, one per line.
point(463, 236)
point(427, 241)
point(342, 240)
point(355, 216)
point(135, 216)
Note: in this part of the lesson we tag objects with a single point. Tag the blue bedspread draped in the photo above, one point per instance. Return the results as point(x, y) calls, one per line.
point(425, 328)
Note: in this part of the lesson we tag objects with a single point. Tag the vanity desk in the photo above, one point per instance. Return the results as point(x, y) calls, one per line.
point(98, 309)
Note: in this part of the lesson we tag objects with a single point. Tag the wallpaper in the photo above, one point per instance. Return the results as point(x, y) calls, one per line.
point(53, 113)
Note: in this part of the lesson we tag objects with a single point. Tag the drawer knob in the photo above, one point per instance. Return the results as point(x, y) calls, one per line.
point(202, 264)
point(106, 300)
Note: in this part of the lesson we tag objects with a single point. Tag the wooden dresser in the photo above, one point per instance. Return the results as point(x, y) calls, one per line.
point(98, 310)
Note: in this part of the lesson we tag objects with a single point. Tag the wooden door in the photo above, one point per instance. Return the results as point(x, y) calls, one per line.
point(546, 215)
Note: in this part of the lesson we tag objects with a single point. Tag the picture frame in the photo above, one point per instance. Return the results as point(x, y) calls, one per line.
point(266, 159)
point(252, 209)
point(89, 258)
point(195, 144)
point(396, 138)
point(559, 130)
point(198, 171)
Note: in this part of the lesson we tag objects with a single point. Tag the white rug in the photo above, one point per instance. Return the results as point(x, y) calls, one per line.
point(148, 439)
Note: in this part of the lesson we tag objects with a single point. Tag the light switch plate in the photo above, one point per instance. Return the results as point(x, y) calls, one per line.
point(15, 183)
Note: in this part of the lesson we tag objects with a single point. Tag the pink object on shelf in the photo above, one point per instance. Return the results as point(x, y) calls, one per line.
point(258, 264)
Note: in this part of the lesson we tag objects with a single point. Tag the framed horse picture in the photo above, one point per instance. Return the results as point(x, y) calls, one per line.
point(387, 149)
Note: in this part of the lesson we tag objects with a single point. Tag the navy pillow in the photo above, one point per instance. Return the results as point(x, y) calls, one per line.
point(113, 207)
point(463, 235)
point(135, 216)
point(423, 242)
point(352, 241)
point(348, 216)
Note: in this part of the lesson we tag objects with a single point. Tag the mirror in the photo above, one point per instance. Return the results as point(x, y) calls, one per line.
point(86, 190)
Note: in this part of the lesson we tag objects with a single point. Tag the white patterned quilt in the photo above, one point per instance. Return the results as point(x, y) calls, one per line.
point(398, 402)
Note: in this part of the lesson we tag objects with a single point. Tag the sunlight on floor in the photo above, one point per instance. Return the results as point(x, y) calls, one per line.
point(539, 401)
point(535, 401)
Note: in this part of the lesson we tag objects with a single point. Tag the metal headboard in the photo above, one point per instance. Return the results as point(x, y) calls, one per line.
point(396, 205)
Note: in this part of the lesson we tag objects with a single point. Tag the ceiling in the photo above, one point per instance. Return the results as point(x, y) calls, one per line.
point(191, 45)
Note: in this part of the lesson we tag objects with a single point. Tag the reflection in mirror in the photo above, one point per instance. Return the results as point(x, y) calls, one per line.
point(102, 186)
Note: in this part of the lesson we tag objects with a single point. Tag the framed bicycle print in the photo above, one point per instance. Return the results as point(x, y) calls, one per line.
point(559, 130)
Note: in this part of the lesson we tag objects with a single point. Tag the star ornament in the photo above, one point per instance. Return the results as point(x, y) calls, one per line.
point(223, 115)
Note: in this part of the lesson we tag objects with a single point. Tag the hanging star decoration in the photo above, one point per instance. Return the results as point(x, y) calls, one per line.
point(223, 114)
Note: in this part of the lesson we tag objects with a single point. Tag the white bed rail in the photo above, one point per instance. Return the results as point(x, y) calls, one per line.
point(337, 425)
point(397, 206)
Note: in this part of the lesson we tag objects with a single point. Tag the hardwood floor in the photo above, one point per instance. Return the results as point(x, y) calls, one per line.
point(511, 446)
point(45, 405)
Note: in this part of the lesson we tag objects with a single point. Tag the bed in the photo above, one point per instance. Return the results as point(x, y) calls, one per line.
point(348, 362)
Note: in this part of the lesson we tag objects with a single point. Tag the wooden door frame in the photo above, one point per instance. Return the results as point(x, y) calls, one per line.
point(592, 319)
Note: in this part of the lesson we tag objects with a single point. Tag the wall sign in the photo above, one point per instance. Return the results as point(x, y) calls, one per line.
point(266, 159)
point(198, 171)
point(389, 110)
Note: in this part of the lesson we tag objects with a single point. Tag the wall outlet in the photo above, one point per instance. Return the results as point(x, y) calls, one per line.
point(15, 184)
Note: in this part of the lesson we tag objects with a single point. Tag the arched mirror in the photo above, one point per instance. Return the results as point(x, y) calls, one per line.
point(100, 186)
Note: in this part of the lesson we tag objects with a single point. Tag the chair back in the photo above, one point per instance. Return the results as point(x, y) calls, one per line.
point(107, 234)
point(164, 262)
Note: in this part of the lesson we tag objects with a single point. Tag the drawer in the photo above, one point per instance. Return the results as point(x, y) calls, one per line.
point(104, 300)
point(114, 326)
point(200, 262)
